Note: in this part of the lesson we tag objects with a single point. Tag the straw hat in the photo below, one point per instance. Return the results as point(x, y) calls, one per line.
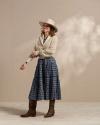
point(49, 22)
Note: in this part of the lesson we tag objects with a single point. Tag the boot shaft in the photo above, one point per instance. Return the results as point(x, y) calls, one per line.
point(32, 104)
point(51, 104)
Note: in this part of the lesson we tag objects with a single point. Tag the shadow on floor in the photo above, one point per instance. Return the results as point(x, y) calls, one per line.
point(15, 111)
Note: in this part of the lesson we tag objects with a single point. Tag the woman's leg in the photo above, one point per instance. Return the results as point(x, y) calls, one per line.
point(32, 109)
point(51, 110)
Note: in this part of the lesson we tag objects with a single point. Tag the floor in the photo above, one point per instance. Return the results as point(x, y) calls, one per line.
point(82, 113)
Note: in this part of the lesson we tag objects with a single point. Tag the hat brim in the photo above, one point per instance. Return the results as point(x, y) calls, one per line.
point(41, 23)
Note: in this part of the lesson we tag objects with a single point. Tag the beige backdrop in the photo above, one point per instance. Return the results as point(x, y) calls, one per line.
point(19, 26)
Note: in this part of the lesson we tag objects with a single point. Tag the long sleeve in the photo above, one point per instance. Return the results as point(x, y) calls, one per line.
point(51, 50)
point(35, 51)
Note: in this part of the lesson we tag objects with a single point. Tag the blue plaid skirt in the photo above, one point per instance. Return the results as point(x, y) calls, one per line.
point(46, 83)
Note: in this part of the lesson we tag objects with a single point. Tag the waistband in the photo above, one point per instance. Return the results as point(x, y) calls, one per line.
point(40, 57)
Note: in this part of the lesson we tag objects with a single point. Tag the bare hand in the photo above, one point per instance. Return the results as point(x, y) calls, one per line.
point(23, 66)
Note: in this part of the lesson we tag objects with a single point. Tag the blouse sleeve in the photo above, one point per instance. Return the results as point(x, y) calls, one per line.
point(35, 51)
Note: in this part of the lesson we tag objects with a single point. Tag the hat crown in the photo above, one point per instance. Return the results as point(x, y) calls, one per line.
point(50, 21)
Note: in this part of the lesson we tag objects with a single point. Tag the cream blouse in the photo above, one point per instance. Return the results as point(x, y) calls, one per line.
point(47, 48)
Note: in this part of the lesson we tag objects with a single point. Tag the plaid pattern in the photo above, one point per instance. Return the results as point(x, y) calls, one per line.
point(46, 83)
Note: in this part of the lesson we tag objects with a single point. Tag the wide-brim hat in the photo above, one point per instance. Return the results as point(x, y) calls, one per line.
point(49, 22)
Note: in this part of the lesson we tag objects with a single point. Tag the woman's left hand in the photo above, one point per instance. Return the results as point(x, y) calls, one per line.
point(32, 55)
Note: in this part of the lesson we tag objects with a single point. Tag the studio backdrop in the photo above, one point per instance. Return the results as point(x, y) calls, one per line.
point(77, 56)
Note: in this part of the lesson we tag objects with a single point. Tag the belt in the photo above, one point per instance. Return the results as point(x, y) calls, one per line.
point(41, 57)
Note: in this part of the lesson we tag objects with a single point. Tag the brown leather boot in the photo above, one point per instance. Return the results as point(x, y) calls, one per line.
point(51, 110)
point(32, 109)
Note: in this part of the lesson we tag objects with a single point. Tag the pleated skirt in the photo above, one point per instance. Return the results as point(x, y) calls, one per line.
point(46, 82)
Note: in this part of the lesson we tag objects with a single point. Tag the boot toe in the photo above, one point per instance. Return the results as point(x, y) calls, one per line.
point(28, 114)
point(50, 114)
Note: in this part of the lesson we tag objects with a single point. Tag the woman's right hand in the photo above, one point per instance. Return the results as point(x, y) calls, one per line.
point(23, 66)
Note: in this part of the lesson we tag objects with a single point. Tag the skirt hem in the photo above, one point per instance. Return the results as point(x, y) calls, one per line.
point(45, 99)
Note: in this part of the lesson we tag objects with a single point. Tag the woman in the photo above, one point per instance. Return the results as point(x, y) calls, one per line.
point(46, 83)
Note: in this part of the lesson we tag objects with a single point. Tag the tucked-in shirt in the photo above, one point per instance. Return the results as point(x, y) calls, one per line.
point(46, 49)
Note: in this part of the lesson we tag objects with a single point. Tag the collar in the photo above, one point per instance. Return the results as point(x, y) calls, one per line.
point(42, 38)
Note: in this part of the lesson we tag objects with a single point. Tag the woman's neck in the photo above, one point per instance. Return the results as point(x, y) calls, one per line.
point(46, 35)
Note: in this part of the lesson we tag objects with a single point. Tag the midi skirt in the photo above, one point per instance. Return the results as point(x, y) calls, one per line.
point(46, 82)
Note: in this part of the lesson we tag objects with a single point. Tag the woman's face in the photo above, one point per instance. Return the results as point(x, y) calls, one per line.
point(45, 28)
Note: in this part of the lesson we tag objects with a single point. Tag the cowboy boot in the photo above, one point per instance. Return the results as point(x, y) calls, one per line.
point(32, 109)
point(51, 110)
